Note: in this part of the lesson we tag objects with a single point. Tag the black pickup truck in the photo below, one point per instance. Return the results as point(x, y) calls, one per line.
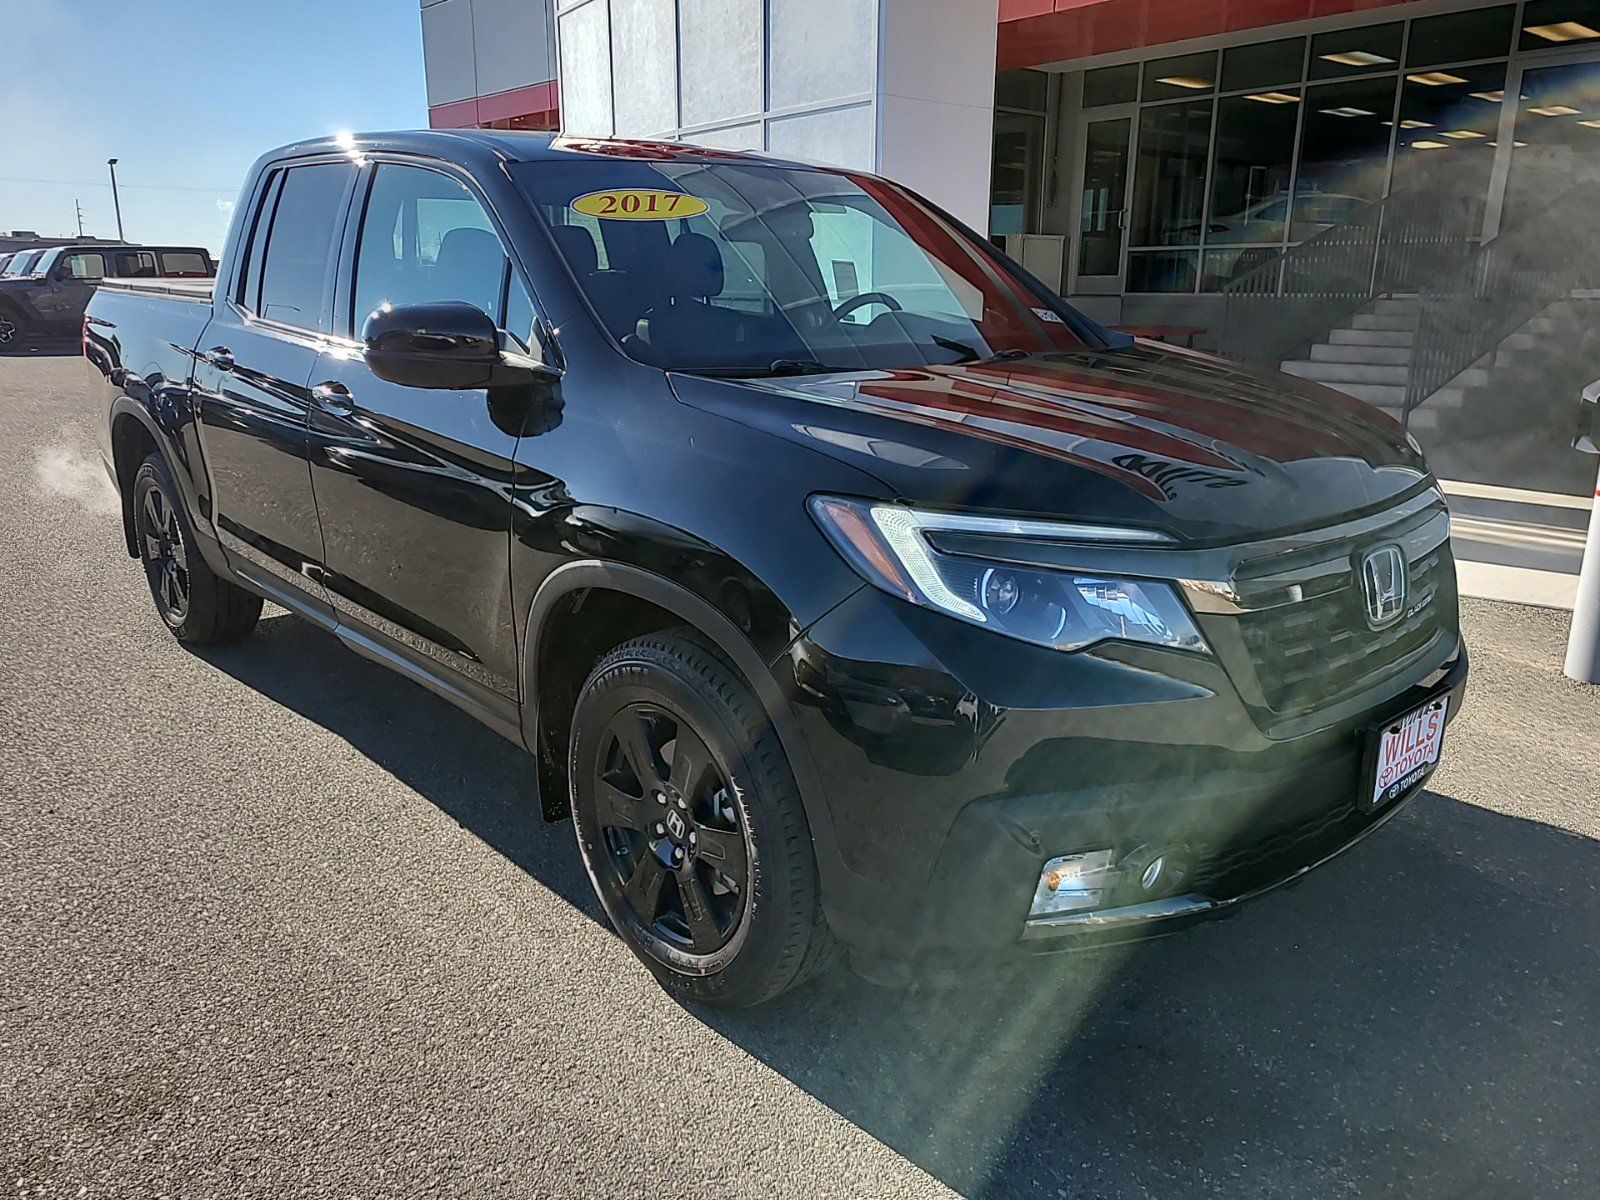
point(47, 293)
point(848, 588)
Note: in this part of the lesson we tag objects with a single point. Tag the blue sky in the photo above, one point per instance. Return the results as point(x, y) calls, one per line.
point(186, 93)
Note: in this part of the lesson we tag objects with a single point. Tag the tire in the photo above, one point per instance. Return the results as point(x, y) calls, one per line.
point(707, 871)
point(197, 605)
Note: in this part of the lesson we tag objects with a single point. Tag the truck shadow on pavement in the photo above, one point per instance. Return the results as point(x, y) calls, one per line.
point(1419, 1018)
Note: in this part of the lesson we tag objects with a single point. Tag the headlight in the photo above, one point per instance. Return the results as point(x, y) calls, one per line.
point(1065, 610)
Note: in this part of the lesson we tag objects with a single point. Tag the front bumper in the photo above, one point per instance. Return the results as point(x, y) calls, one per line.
point(955, 764)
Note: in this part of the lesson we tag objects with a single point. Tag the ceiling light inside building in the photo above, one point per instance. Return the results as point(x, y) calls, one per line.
point(1185, 81)
point(1430, 145)
point(1590, 124)
point(1274, 97)
point(1435, 78)
point(1356, 58)
point(1562, 31)
point(1348, 112)
point(1553, 110)
point(1494, 97)
point(1463, 135)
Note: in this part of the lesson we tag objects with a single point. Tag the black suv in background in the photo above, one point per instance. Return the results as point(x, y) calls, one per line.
point(847, 586)
point(43, 292)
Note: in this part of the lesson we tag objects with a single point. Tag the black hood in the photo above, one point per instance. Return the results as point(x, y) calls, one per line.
point(1198, 446)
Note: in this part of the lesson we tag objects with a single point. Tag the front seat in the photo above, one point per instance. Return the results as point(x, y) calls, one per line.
point(470, 267)
point(687, 327)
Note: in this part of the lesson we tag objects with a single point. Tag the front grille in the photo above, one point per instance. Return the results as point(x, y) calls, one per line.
point(1319, 650)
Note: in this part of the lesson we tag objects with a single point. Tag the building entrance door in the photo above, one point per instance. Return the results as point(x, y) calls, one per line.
point(1103, 221)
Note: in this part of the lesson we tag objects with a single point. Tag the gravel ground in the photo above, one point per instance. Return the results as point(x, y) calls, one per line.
point(276, 923)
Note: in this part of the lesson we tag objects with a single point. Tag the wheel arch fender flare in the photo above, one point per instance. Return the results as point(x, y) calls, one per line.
point(127, 408)
point(702, 615)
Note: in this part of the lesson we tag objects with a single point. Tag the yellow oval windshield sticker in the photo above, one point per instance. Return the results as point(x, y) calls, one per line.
point(639, 204)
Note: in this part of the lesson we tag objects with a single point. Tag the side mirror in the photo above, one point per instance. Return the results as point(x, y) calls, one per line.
point(1588, 438)
point(446, 345)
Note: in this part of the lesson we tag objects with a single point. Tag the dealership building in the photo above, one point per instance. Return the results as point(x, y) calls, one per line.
point(1393, 199)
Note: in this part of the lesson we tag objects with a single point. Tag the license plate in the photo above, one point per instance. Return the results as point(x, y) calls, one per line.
point(1407, 751)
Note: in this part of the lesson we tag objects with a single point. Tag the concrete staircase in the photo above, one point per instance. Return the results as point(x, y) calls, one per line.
point(1369, 357)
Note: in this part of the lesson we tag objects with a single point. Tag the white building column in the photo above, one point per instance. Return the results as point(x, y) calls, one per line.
point(903, 88)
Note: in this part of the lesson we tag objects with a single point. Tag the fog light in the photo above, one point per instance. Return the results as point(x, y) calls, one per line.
point(1074, 883)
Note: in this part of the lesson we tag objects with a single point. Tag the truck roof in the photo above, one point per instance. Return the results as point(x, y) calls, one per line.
point(487, 145)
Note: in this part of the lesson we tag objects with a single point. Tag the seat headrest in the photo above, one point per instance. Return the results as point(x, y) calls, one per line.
point(467, 247)
point(694, 267)
point(577, 246)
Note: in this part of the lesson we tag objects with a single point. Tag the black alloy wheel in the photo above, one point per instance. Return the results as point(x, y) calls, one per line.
point(161, 547)
point(200, 607)
point(673, 839)
point(690, 824)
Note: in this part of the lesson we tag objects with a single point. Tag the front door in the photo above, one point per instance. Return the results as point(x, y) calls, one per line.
point(66, 293)
point(413, 485)
point(1102, 240)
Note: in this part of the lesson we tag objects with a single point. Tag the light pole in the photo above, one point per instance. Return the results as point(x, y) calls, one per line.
point(115, 199)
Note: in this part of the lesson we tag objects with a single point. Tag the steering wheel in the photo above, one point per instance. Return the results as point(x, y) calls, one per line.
point(865, 298)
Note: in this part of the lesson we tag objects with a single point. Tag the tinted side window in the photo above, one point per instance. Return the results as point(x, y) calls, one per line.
point(86, 266)
point(300, 244)
point(184, 264)
point(135, 266)
point(425, 237)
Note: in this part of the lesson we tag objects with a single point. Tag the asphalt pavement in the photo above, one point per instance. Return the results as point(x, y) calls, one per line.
point(276, 923)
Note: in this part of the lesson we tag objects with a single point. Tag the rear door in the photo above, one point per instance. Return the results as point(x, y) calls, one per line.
point(253, 372)
point(413, 484)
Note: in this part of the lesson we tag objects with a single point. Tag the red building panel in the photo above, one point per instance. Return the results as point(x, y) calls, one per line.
point(536, 106)
point(1033, 32)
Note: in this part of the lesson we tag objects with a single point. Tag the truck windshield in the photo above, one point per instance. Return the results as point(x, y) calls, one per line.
point(740, 268)
point(23, 263)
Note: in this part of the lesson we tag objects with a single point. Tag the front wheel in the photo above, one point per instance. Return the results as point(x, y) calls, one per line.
point(199, 606)
point(691, 826)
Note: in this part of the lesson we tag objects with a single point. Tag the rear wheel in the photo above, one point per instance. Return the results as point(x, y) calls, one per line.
point(690, 824)
point(199, 606)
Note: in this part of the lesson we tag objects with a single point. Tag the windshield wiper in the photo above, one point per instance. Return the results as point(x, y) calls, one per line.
point(971, 358)
point(798, 366)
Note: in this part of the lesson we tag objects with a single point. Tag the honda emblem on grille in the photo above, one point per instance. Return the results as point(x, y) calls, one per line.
point(1383, 578)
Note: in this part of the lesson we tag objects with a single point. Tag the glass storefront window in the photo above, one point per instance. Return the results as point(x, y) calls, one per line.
point(1169, 180)
point(1356, 51)
point(1018, 141)
point(1449, 122)
point(1162, 270)
point(1263, 65)
point(1111, 85)
point(1461, 37)
point(1186, 75)
point(1222, 267)
point(1547, 23)
point(1344, 152)
point(1251, 171)
point(1028, 90)
point(1557, 146)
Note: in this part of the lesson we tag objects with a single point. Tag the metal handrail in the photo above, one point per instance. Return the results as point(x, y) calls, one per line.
point(1466, 314)
point(1277, 309)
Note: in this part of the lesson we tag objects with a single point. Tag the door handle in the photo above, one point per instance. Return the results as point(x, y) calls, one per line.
point(219, 357)
point(333, 397)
